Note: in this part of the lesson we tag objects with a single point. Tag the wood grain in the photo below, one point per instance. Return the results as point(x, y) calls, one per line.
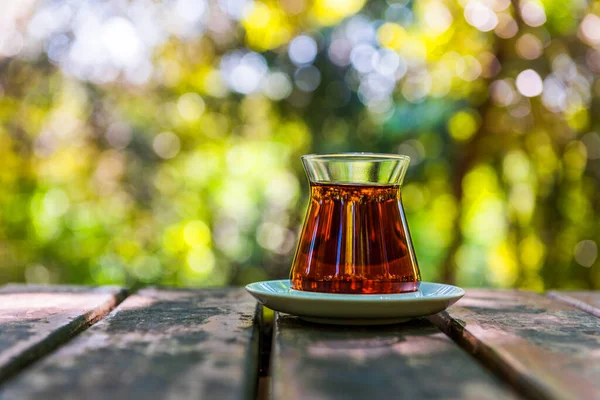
point(158, 344)
point(545, 348)
point(413, 360)
point(586, 301)
point(35, 319)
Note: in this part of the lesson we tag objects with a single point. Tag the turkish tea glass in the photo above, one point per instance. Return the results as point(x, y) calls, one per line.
point(355, 238)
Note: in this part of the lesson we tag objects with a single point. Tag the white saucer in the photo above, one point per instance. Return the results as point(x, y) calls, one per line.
point(355, 309)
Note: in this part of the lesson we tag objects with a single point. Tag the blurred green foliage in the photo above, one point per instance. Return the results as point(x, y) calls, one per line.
point(159, 142)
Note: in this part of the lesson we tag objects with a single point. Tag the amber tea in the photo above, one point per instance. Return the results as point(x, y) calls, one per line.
point(355, 240)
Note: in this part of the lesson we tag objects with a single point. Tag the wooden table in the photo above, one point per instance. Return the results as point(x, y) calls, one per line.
point(64, 342)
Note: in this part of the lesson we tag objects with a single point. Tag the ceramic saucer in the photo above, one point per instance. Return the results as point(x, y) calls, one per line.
point(355, 309)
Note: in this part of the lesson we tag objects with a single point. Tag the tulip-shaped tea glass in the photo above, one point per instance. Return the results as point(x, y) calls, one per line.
point(355, 238)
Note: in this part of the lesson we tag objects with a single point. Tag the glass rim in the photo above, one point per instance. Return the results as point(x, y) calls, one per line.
point(357, 156)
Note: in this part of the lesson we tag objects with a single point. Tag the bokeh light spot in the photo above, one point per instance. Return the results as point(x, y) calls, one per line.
point(522, 199)
point(416, 87)
point(590, 29)
point(302, 50)
point(146, 268)
point(244, 72)
point(463, 125)
point(554, 96)
point(237, 9)
point(201, 260)
point(190, 106)
point(529, 83)
point(386, 62)
point(437, 17)
point(586, 253)
point(339, 52)
point(529, 47)
point(37, 273)
point(391, 35)
point(118, 135)
point(532, 252)
point(479, 15)
point(307, 78)
point(516, 166)
point(468, 68)
point(278, 86)
point(11, 43)
point(329, 12)
point(362, 57)
point(122, 41)
point(196, 233)
point(56, 203)
point(293, 7)
point(507, 27)
point(166, 145)
point(266, 26)
point(533, 13)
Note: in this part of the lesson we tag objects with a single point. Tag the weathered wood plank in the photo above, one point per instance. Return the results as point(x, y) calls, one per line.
point(158, 344)
point(545, 348)
point(413, 360)
point(586, 301)
point(35, 319)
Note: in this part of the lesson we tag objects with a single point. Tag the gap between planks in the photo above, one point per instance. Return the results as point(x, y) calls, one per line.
point(585, 301)
point(265, 318)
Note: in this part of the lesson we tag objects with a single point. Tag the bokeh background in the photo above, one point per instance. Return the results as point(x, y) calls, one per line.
point(158, 142)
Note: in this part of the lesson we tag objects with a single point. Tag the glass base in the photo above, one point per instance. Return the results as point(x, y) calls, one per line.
point(355, 286)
